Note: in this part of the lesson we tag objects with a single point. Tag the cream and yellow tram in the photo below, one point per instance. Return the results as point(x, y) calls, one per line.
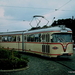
point(50, 42)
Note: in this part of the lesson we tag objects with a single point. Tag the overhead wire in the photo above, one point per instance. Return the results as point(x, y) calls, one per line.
point(24, 7)
point(63, 5)
point(38, 8)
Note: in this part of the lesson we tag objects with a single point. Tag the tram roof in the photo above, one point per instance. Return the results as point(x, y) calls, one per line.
point(56, 28)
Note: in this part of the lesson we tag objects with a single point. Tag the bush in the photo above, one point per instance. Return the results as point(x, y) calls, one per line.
point(11, 60)
point(6, 64)
point(17, 54)
point(4, 53)
point(25, 58)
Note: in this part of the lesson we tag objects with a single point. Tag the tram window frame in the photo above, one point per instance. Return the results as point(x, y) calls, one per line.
point(34, 38)
point(18, 38)
point(13, 38)
point(58, 40)
point(25, 38)
point(4, 38)
point(47, 37)
point(47, 49)
point(43, 36)
point(37, 37)
point(30, 38)
point(8, 38)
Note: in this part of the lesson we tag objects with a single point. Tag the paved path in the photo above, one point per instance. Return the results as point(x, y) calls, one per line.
point(41, 66)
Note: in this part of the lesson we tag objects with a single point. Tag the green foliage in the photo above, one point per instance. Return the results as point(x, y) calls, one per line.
point(11, 59)
point(70, 23)
point(4, 53)
point(17, 54)
point(6, 64)
point(45, 26)
point(25, 58)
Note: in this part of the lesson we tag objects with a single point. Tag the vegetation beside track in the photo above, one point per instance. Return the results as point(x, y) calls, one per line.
point(11, 59)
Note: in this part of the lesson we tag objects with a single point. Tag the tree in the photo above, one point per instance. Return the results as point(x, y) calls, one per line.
point(70, 23)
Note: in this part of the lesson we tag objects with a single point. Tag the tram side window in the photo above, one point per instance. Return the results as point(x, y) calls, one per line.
point(13, 38)
point(25, 38)
point(37, 37)
point(34, 38)
point(8, 38)
point(4, 38)
point(43, 38)
point(30, 38)
point(47, 37)
point(18, 38)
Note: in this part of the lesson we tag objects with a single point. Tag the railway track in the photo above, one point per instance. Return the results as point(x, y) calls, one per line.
point(53, 66)
point(67, 62)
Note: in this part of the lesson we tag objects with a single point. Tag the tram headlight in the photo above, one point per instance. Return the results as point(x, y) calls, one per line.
point(64, 47)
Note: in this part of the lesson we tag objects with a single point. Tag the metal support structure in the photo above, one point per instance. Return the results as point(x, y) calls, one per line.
point(38, 20)
point(23, 49)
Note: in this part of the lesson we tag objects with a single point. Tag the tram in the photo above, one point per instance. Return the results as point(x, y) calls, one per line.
point(51, 42)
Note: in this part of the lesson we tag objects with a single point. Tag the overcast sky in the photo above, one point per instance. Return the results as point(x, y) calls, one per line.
point(15, 15)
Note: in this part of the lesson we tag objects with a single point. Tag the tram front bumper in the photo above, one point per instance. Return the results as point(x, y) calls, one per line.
point(66, 54)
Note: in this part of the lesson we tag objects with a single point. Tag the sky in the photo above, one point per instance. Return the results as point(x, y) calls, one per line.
point(16, 15)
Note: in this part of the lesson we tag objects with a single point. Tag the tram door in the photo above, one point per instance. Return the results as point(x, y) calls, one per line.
point(18, 40)
point(45, 45)
point(23, 42)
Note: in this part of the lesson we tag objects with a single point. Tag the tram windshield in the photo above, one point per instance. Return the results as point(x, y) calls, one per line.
point(61, 37)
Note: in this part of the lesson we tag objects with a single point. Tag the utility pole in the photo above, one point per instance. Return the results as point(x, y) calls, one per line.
point(72, 17)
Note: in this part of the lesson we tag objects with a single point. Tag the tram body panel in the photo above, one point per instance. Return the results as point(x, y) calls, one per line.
point(55, 48)
point(69, 48)
point(58, 49)
point(33, 47)
point(15, 42)
point(9, 45)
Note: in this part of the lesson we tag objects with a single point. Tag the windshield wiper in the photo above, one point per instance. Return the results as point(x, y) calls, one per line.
point(61, 39)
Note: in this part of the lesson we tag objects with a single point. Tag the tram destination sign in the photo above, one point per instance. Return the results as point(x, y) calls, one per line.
point(64, 31)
